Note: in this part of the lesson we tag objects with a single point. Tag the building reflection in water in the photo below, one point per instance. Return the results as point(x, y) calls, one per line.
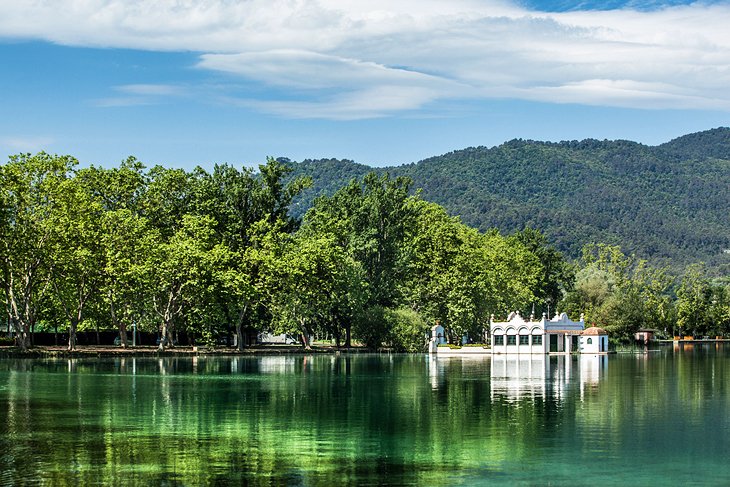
point(277, 364)
point(436, 371)
point(520, 376)
point(592, 371)
point(545, 376)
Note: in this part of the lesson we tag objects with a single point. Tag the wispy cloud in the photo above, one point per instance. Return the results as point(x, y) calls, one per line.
point(140, 94)
point(152, 90)
point(351, 59)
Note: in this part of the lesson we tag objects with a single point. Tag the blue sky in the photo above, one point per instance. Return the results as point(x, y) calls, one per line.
point(185, 83)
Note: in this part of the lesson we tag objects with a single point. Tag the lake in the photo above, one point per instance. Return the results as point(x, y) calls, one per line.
point(659, 418)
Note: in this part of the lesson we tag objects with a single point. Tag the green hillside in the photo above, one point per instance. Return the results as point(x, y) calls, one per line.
point(668, 203)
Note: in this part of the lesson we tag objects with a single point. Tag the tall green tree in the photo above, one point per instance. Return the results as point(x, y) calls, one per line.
point(76, 254)
point(719, 312)
point(369, 220)
point(180, 270)
point(245, 204)
point(29, 185)
point(557, 277)
point(693, 299)
point(166, 204)
point(458, 277)
point(311, 282)
point(124, 239)
point(127, 240)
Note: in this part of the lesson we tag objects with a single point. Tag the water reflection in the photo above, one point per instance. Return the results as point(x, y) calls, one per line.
point(366, 419)
point(283, 364)
point(518, 376)
point(436, 371)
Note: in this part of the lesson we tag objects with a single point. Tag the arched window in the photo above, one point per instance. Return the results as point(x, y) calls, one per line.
point(589, 341)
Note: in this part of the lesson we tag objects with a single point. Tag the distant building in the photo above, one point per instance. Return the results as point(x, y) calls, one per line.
point(557, 335)
point(645, 335)
point(438, 337)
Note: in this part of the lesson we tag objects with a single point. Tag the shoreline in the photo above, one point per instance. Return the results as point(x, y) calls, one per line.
point(102, 351)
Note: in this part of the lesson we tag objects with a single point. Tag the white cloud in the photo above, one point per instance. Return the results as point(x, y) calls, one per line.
point(336, 88)
point(152, 90)
point(140, 94)
point(367, 103)
point(310, 70)
point(351, 59)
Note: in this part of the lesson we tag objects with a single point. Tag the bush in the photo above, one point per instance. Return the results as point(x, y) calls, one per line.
point(371, 327)
point(6, 341)
point(408, 330)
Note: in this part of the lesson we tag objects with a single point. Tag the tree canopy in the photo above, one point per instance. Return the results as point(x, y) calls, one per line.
point(210, 256)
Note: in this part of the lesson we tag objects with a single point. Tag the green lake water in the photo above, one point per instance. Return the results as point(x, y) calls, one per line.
point(660, 418)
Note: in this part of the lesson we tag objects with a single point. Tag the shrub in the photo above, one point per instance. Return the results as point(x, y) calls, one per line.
point(371, 327)
point(408, 330)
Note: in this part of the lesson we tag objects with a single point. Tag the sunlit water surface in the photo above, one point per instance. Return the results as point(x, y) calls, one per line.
point(661, 418)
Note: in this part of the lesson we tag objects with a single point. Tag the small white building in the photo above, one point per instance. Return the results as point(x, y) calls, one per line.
point(557, 335)
point(438, 337)
point(594, 340)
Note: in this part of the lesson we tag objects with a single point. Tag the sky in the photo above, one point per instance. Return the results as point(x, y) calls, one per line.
point(184, 83)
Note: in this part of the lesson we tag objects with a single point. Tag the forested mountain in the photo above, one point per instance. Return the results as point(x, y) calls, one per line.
point(669, 204)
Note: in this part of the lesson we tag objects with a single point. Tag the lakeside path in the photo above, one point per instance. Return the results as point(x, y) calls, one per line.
point(151, 351)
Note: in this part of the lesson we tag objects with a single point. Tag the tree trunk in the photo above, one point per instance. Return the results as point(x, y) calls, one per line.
point(163, 336)
point(348, 333)
point(23, 338)
point(167, 319)
point(337, 333)
point(239, 328)
point(118, 324)
point(72, 335)
point(123, 334)
point(11, 324)
point(305, 336)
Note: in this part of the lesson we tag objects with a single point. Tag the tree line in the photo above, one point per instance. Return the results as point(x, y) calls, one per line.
point(216, 254)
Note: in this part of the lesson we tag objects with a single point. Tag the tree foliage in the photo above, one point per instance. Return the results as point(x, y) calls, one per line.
point(212, 256)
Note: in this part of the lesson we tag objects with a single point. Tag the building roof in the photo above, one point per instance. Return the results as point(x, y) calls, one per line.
point(594, 330)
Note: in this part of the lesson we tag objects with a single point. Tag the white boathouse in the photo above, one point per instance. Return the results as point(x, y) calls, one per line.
point(557, 335)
